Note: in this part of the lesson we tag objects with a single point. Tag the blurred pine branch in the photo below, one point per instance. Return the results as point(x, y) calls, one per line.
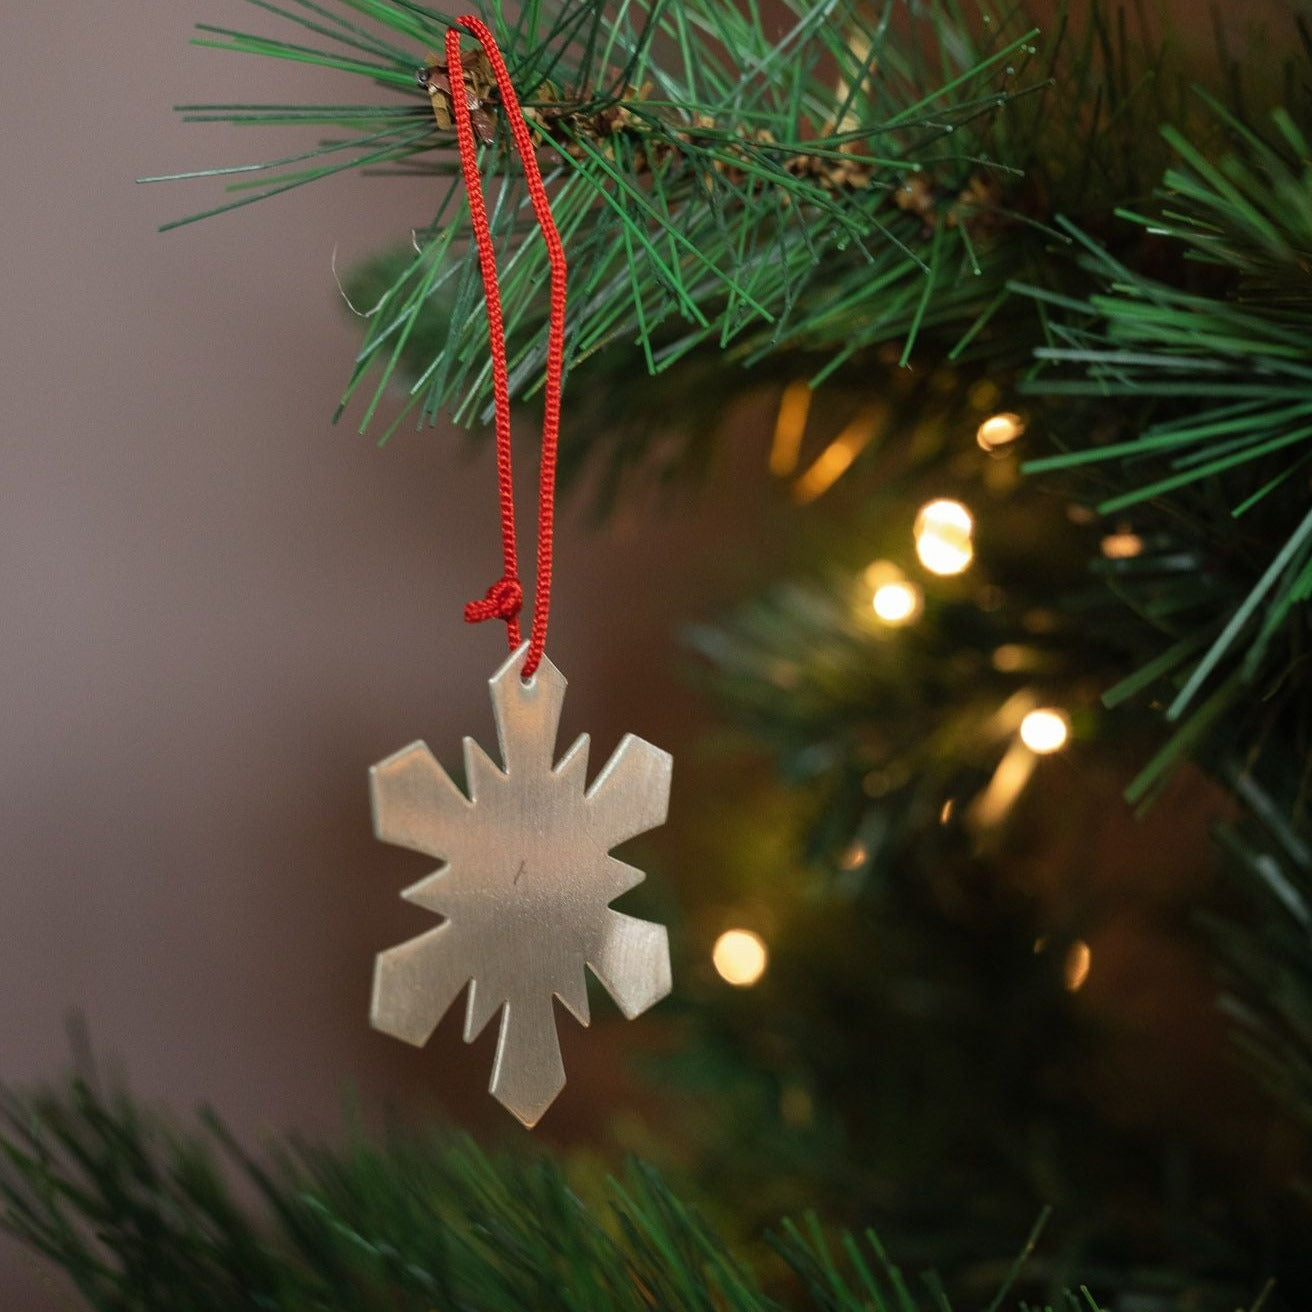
point(1267, 966)
point(142, 1217)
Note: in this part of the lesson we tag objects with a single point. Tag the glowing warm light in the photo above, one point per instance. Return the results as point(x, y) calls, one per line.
point(991, 806)
point(739, 957)
point(943, 531)
point(789, 425)
point(897, 603)
point(1045, 731)
point(1010, 657)
point(1122, 546)
point(856, 855)
point(832, 463)
point(998, 430)
point(1075, 969)
point(945, 814)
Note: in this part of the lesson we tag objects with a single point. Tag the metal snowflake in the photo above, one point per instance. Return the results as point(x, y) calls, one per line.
point(525, 886)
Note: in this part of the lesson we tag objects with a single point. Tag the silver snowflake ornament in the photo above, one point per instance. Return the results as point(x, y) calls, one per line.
point(524, 888)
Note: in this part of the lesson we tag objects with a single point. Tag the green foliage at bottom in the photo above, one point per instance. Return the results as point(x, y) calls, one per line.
point(142, 1216)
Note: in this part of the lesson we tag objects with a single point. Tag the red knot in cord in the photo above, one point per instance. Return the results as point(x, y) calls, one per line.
point(503, 601)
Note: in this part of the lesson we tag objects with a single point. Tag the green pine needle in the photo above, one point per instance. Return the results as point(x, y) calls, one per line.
point(140, 1214)
point(1224, 378)
point(744, 201)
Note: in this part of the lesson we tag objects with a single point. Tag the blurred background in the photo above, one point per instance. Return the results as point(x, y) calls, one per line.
point(220, 609)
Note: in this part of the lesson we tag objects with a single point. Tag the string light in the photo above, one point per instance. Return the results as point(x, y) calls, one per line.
point(1045, 730)
point(897, 602)
point(943, 532)
point(998, 430)
point(739, 957)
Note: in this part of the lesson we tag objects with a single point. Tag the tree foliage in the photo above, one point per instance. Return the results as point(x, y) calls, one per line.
point(142, 1216)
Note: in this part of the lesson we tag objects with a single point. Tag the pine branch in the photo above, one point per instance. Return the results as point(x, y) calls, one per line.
point(1267, 969)
point(1064, 139)
point(717, 184)
point(141, 1217)
point(1214, 367)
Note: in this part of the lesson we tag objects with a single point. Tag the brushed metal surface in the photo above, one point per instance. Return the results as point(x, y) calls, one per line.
point(524, 887)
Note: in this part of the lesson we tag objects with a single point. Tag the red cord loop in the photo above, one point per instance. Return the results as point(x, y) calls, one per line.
point(504, 600)
point(505, 597)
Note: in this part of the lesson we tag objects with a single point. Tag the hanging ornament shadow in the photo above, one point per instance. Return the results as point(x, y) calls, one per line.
point(525, 886)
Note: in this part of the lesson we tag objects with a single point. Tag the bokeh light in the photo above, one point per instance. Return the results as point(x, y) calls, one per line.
point(998, 430)
point(789, 428)
point(1010, 657)
point(943, 536)
point(739, 957)
point(1122, 545)
point(897, 602)
point(1045, 730)
point(1076, 967)
point(856, 855)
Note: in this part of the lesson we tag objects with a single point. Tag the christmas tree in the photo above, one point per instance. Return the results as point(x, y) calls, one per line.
point(1012, 701)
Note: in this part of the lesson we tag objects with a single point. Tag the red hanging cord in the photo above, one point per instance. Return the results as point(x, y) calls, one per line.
point(505, 597)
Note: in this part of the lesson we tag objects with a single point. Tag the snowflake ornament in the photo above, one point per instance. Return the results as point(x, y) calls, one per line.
point(524, 888)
